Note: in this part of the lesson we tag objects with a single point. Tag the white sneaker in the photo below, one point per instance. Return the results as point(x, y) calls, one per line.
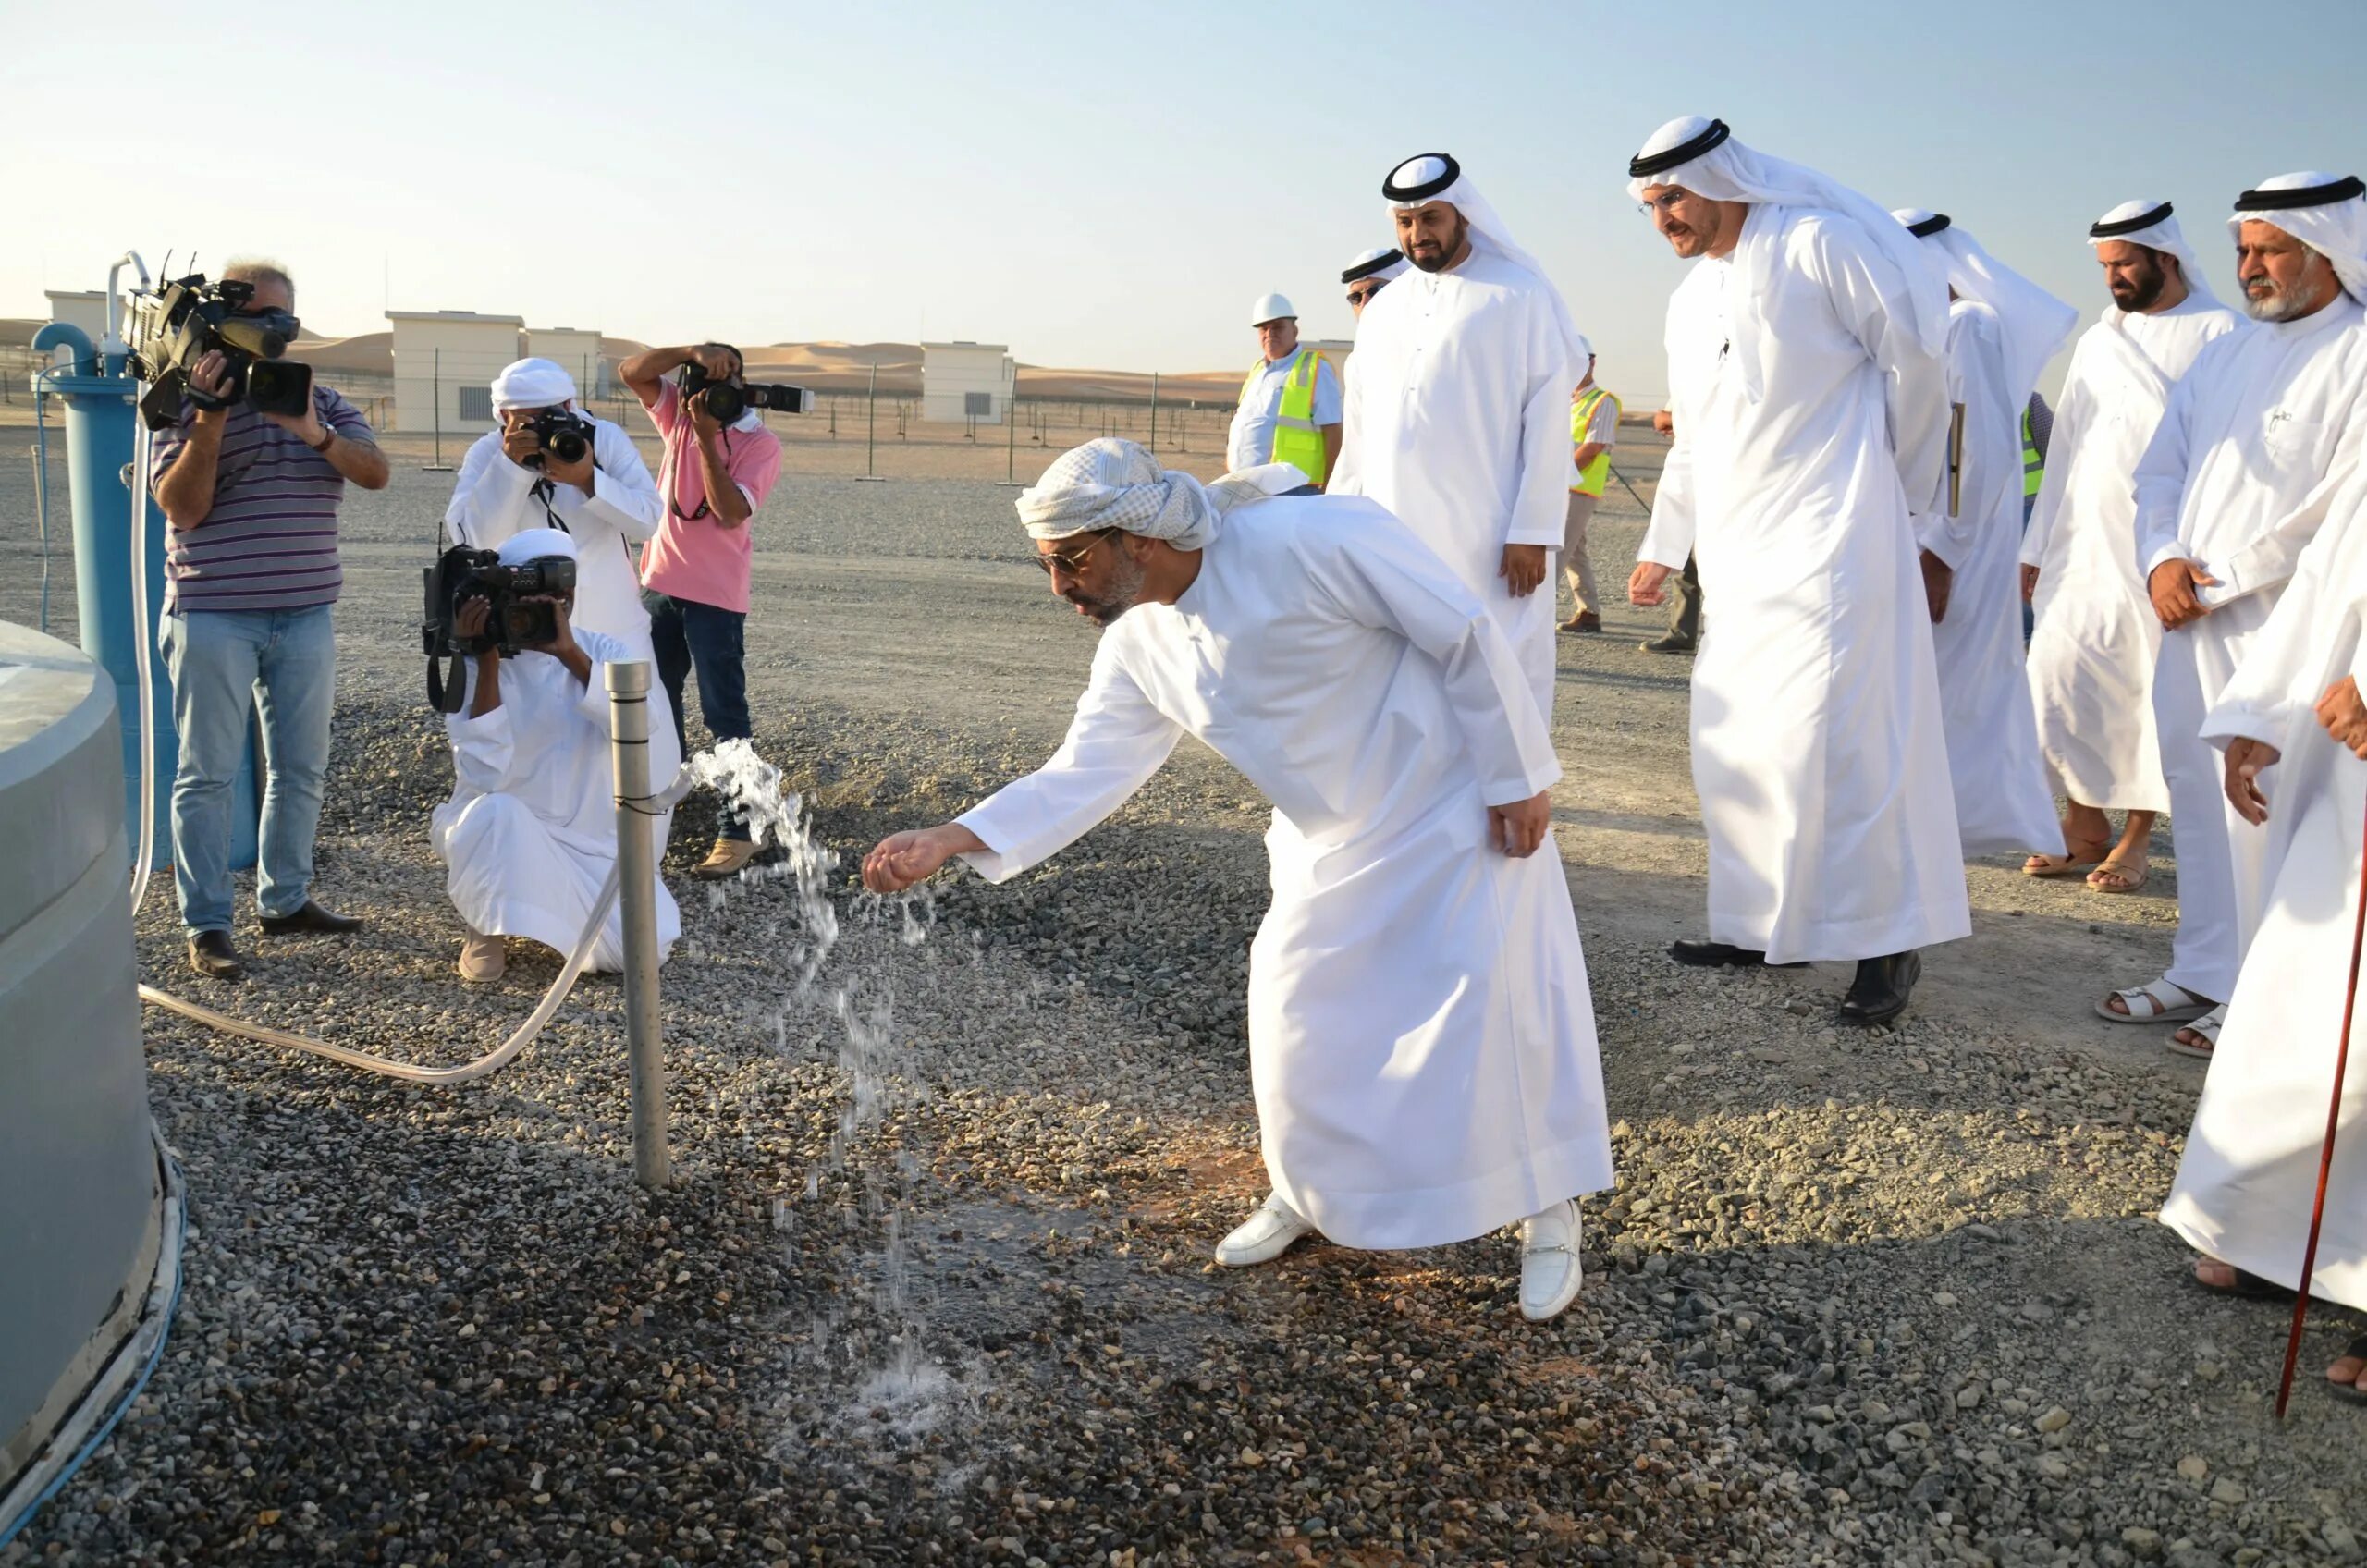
point(1549, 1271)
point(1265, 1235)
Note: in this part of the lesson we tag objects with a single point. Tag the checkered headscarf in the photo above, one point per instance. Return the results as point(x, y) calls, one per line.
point(1113, 483)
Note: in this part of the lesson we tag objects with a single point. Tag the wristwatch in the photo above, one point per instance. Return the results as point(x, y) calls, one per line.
point(328, 438)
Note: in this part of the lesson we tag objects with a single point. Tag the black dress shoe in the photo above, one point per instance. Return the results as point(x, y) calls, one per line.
point(211, 954)
point(1671, 643)
point(1714, 955)
point(1881, 989)
point(313, 918)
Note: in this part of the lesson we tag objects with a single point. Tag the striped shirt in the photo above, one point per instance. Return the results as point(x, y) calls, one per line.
point(269, 543)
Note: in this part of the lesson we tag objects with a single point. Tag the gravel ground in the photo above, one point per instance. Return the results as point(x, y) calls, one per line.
point(932, 1283)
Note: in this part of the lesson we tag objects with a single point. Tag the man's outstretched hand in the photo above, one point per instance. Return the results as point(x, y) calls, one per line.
point(1519, 827)
point(901, 860)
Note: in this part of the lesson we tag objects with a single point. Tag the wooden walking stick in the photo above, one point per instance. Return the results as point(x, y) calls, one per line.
point(1955, 459)
point(2325, 1154)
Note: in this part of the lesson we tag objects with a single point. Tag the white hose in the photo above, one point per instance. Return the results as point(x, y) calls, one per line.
point(141, 653)
point(494, 1060)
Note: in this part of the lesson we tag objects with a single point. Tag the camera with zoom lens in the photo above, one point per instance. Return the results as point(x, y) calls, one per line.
point(172, 328)
point(514, 622)
point(564, 434)
point(727, 400)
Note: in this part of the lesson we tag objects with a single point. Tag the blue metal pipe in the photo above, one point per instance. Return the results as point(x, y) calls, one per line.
point(101, 422)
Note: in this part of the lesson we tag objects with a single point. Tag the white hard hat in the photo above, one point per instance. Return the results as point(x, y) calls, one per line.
point(1270, 307)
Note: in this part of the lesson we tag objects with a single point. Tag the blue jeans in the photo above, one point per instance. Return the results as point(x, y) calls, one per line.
point(687, 636)
point(225, 665)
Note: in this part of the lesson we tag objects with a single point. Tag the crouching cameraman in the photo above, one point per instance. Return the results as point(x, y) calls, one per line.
point(530, 834)
point(251, 572)
point(716, 472)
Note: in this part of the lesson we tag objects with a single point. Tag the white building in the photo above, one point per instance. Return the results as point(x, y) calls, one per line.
point(963, 381)
point(573, 350)
point(84, 308)
point(445, 362)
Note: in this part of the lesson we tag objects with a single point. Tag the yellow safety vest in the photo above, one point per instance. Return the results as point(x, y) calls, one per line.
point(1591, 477)
point(2033, 466)
point(1297, 439)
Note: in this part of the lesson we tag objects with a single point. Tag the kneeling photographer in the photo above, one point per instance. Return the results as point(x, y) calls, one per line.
point(720, 462)
point(530, 834)
point(250, 463)
point(553, 465)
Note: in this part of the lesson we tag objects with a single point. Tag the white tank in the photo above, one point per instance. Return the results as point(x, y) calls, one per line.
point(81, 1212)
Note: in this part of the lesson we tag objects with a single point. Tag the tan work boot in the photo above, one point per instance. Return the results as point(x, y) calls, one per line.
point(725, 860)
point(483, 958)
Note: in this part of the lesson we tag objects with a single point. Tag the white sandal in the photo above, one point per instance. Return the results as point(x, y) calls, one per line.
point(2163, 1003)
point(2208, 1026)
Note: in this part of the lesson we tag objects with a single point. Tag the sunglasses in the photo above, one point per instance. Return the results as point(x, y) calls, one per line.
point(1357, 298)
point(1061, 560)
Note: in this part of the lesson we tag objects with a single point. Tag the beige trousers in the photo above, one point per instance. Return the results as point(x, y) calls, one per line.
point(1575, 564)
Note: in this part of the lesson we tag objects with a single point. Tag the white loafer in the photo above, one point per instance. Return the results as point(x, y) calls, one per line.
point(1549, 1271)
point(1265, 1235)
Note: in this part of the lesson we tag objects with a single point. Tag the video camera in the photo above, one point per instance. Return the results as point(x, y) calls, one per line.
point(727, 400)
point(174, 327)
point(564, 434)
point(514, 622)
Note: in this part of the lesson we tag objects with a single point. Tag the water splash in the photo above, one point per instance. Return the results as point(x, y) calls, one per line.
point(909, 1393)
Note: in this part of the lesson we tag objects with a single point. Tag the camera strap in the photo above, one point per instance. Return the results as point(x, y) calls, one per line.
point(674, 473)
point(446, 688)
point(544, 490)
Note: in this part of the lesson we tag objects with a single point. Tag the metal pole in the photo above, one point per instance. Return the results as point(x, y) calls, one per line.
point(1154, 411)
point(1010, 438)
point(871, 424)
point(637, 896)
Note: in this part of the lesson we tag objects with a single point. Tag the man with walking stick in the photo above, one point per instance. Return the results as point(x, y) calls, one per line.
point(2294, 729)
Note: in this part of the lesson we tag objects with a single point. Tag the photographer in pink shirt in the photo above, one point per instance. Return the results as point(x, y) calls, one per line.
point(694, 573)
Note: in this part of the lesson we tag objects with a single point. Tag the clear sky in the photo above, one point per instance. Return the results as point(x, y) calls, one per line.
point(1096, 185)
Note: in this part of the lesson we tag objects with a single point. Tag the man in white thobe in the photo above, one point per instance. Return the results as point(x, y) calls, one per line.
point(1421, 1039)
point(2294, 731)
point(2091, 652)
point(1458, 404)
point(605, 500)
point(1810, 403)
point(2002, 330)
point(528, 837)
point(2226, 499)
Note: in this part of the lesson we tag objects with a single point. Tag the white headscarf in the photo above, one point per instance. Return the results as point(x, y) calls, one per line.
point(2163, 234)
point(535, 543)
point(2035, 322)
point(532, 384)
point(1488, 230)
point(1391, 264)
point(1113, 483)
point(1728, 171)
point(2336, 229)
